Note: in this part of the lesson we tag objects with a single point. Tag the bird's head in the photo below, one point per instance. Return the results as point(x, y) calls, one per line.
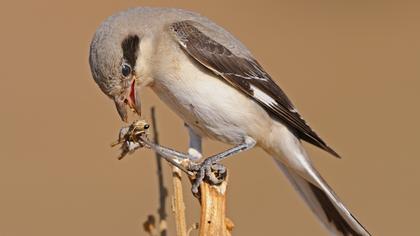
point(122, 52)
point(114, 55)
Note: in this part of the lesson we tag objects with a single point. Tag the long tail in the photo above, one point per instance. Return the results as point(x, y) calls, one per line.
point(324, 203)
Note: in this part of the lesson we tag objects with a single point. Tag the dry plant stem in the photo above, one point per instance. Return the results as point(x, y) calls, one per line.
point(150, 226)
point(213, 219)
point(162, 190)
point(178, 205)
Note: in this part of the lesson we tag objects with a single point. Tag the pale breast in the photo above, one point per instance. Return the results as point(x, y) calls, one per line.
point(207, 103)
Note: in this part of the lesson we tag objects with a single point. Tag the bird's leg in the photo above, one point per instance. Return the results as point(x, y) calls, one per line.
point(174, 157)
point(135, 136)
point(165, 151)
point(211, 170)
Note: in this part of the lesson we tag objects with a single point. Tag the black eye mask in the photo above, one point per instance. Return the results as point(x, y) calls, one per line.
point(130, 48)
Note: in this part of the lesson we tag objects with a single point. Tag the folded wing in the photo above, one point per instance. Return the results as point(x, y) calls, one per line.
point(247, 75)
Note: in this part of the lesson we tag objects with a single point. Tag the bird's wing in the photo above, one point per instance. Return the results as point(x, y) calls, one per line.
point(245, 74)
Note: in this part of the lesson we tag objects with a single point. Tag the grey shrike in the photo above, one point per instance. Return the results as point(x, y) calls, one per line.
point(212, 81)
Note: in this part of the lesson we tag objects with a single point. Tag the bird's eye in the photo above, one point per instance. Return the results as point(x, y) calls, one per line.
point(146, 126)
point(126, 70)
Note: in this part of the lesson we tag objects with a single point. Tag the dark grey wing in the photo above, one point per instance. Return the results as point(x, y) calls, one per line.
point(247, 75)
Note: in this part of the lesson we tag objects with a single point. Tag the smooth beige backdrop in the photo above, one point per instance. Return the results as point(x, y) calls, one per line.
point(352, 69)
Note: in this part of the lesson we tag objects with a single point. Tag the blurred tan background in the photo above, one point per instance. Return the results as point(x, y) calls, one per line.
point(352, 69)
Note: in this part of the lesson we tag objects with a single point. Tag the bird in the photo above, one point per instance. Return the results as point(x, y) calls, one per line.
point(216, 86)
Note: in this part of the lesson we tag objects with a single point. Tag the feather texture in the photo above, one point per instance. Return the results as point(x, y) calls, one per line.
point(247, 75)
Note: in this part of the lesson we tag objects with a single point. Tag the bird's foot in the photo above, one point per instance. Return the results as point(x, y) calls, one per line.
point(209, 170)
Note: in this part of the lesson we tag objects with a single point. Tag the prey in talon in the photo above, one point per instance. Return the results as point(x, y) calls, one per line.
point(213, 83)
point(130, 136)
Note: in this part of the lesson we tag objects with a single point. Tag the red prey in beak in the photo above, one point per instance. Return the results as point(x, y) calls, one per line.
point(132, 100)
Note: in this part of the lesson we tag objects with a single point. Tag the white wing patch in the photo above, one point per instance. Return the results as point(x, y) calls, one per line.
point(268, 100)
point(247, 77)
point(263, 97)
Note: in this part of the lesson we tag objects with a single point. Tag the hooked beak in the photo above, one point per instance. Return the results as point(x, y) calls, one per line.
point(132, 100)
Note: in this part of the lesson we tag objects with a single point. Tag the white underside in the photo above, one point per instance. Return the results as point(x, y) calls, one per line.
point(210, 106)
point(215, 109)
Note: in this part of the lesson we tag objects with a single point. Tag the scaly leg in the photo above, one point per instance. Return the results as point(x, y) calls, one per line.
point(135, 136)
point(211, 170)
point(172, 156)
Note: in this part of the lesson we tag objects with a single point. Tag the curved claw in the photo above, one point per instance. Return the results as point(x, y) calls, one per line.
point(217, 174)
point(209, 171)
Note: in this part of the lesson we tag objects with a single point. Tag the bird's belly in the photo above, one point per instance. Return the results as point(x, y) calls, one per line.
point(213, 108)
